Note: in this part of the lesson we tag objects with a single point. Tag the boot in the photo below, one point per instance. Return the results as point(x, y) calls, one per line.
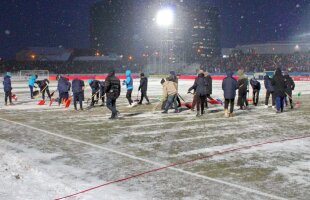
point(231, 114)
point(226, 113)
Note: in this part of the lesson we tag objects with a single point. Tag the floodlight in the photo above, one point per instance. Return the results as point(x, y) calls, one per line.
point(165, 17)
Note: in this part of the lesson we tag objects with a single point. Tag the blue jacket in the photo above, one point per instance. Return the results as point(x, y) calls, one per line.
point(7, 84)
point(268, 85)
point(63, 85)
point(77, 85)
point(32, 80)
point(229, 86)
point(129, 81)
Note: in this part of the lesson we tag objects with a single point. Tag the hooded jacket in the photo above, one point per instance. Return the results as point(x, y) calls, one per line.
point(200, 85)
point(63, 85)
point(169, 88)
point(268, 85)
point(129, 81)
point(7, 87)
point(290, 84)
point(229, 85)
point(112, 86)
point(243, 83)
point(32, 80)
point(143, 84)
point(42, 83)
point(95, 85)
point(279, 84)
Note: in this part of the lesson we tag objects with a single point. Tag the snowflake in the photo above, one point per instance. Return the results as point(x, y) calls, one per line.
point(7, 32)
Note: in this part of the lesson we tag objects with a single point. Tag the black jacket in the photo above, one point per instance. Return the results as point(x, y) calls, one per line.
point(290, 84)
point(255, 84)
point(200, 85)
point(279, 84)
point(112, 86)
point(143, 84)
point(243, 85)
point(42, 83)
point(77, 86)
point(209, 86)
point(95, 85)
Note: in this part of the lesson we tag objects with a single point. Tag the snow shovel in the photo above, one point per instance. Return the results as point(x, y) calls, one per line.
point(215, 102)
point(36, 93)
point(14, 97)
point(137, 99)
point(187, 105)
point(42, 102)
point(89, 99)
point(68, 102)
point(52, 101)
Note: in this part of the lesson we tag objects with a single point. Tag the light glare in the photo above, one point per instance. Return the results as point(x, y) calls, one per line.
point(165, 17)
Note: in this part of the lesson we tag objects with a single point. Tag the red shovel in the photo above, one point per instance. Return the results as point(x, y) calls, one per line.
point(68, 102)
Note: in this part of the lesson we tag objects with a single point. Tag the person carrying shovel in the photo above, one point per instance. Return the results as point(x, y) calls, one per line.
point(43, 85)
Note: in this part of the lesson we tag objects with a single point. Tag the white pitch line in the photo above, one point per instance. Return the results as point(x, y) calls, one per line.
point(41, 131)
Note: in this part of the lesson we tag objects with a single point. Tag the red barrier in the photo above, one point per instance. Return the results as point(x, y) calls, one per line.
point(301, 78)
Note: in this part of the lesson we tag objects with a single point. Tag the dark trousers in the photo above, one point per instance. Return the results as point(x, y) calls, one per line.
point(273, 99)
point(200, 103)
point(94, 94)
point(208, 97)
point(111, 105)
point(8, 95)
point(255, 97)
point(179, 102)
point(47, 92)
point(63, 96)
point(102, 94)
point(128, 96)
point(31, 91)
point(172, 99)
point(78, 97)
point(143, 94)
point(288, 96)
point(231, 102)
point(242, 100)
point(280, 103)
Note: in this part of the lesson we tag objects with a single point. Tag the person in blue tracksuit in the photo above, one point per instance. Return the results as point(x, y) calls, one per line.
point(229, 86)
point(63, 88)
point(129, 84)
point(31, 82)
point(78, 92)
point(7, 87)
point(95, 87)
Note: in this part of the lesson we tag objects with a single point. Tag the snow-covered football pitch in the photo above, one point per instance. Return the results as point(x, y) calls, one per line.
point(52, 152)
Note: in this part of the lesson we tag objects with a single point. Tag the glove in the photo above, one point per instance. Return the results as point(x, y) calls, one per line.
point(188, 92)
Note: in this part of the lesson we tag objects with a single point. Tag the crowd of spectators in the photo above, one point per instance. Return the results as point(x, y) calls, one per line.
point(299, 62)
point(258, 63)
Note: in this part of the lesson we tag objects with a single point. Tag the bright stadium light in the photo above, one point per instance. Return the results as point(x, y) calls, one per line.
point(165, 17)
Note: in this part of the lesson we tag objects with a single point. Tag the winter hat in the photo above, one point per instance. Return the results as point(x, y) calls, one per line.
point(90, 82)
point(173, 73)
point(229, 73)
point(142, 74)
point(8, 74)
point(162, 81)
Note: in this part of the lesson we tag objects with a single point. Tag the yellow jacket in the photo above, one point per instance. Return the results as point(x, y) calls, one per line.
point(169, 88)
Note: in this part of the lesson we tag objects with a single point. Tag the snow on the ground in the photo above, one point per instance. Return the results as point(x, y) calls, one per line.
point(34, 165)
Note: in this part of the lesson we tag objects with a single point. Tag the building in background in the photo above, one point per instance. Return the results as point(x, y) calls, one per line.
point(122, 27)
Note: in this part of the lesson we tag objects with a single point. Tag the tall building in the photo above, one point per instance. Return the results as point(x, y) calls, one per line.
point(128, 28)
point(205, 33)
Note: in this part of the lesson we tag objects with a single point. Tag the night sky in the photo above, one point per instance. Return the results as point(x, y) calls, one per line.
point(25, 23)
